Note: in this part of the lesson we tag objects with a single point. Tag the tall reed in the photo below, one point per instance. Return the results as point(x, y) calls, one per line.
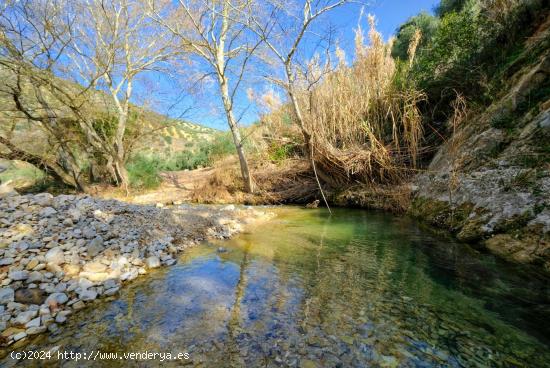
point(364, 117)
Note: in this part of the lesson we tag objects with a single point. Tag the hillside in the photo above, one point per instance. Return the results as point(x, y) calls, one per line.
point(147, 132)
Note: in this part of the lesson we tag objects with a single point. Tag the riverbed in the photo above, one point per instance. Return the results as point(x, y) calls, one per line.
point(308, 289)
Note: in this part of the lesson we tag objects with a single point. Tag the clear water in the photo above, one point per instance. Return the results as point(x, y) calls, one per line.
point(356, 289)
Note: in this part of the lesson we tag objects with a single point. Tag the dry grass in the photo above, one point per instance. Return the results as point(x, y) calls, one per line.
point(365, 122)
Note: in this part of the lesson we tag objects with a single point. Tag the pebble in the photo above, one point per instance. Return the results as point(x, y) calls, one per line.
point(95, 246)
point(33, 323)
point(24, 317)
point(7, 295)
point(55, 256)
point(87, 294)
point(30, 296)
point(19, 336)
point(58, 298)
point(32, 264)
point(18, 275)
point(152, 262)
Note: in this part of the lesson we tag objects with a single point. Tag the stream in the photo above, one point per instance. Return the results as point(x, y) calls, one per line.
point(355, 289)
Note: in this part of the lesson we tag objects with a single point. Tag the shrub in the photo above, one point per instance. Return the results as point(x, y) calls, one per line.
point(426, 23)
point(474, 44)
point(143, 171)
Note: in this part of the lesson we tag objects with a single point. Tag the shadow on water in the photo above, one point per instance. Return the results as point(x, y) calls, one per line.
point(354, 289)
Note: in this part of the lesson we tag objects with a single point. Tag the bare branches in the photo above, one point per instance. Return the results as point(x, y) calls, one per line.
point(214, 32)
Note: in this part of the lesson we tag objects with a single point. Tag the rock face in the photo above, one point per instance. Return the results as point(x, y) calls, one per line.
point(490, 183)
point(50, 267)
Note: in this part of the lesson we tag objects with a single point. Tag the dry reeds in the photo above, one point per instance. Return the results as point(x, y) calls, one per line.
point(363, 119)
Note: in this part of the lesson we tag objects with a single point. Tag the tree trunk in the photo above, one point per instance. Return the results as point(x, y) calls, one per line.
point(245, 171)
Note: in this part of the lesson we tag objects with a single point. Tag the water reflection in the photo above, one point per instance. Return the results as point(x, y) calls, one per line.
point(352, 290)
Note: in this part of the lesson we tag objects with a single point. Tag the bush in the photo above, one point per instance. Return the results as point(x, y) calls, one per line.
point(474, 42)
point(280, 152)
point(446, 63)
point(143, 171)
point(221, 146)
point(426, 23)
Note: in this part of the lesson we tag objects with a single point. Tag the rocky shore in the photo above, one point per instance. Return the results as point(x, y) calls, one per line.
point(58, 254)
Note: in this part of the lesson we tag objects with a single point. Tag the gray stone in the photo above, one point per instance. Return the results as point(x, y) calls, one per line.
point(19, 336)
point(111, 291)
point(110, 283)
point(24, 317)
point(33, 323)
point(7, 295)
point(95, 246)
point(62, 316)
point(84, 283)
point(43, 199)
point(6, 261)
point(47, 212)
point(35, 276)
point(36, 330)
point(58, 298)
point(89, 233)
point(87, 294)
point(18, 275)
point(74, 214)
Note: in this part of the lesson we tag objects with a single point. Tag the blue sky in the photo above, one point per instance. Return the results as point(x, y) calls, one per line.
point(389, 15)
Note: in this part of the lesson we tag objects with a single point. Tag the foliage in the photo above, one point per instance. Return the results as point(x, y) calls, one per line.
point(448, 6)
point(143, 171)
point(472, 43)
point(446, 62)
point(280, 152)
point(426, 23)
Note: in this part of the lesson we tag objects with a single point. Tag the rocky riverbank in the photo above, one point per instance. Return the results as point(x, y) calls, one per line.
point(58, 254)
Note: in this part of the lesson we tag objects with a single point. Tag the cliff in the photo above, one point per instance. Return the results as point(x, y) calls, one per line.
point(489, 183)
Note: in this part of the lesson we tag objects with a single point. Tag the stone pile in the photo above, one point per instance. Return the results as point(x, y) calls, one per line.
point(59, 253)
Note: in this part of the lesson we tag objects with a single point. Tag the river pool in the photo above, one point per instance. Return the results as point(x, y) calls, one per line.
point(355, 289)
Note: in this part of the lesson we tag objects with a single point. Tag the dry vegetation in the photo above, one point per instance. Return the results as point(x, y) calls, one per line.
point(363, 119)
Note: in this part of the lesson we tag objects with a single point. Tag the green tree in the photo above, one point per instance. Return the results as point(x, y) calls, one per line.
point(426, 23)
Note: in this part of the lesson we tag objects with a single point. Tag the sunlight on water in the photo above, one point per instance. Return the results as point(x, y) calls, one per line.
point(355, 289)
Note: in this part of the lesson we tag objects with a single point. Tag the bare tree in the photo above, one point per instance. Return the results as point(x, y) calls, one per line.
point(79, 61)
point(215, 32)
point(30, 45)
point(282, 28)
point(114, 42)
